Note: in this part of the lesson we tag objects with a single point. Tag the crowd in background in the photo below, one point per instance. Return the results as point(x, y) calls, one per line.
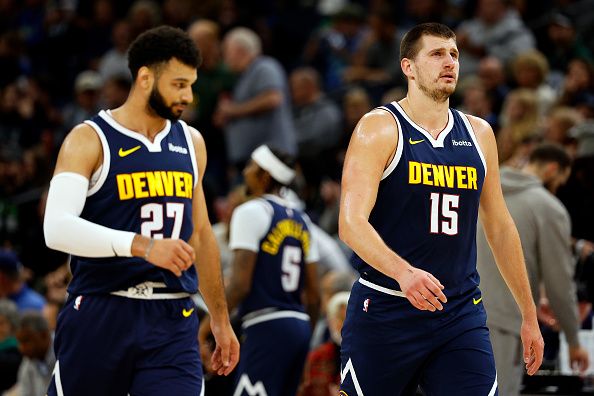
point(294, 74)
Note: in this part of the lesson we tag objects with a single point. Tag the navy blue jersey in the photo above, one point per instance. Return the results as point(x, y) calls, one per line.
point(144, 187)
point(427, 202)
point(278, 278)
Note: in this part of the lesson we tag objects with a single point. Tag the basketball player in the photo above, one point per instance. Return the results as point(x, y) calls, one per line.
point(126, 201)
point(273, 266)
point(414, 175)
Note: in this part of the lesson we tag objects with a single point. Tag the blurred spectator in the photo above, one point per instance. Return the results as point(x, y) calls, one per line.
point(259, 111)
point(492, 74)
point(377, 63)
point(99, 30)
point(355, 104)
point(87, 89)
point(10, 357)
point(519, 121)
point(496, 30)
point(143, 15)
point(530, 71)
point(578, 193)
point(115, 92)
point(13, 286)
point(12, 62)
point(215, 80)
point(557, 126)
point(333, 282)
point(56, 283)
point(317, 125)
point(321, 375)
point(36, 345)
point(476, 101)
point(115, 61)
point(225, 207)
point(578, 85)
point(563, 43)
point(331, 49)
point(544, 227)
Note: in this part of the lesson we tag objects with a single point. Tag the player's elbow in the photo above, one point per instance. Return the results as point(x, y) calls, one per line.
point(346, 227)
point(54, 232)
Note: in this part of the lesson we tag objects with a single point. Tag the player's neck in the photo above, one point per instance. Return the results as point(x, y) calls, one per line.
point(134, 115)
point(426, 112)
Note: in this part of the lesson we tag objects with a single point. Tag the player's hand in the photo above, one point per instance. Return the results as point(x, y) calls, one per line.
point(423, 290)
point(174, 255)
point(226, 354)
point(578, 359)
point(533, 344)
point(207, 344)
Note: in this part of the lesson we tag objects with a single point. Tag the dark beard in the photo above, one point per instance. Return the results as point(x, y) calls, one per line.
point(156, 104)
point(438, 95)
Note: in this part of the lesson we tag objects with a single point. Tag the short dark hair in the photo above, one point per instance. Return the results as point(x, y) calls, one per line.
point(159, 45)
point(548, 152)
point(411, 42)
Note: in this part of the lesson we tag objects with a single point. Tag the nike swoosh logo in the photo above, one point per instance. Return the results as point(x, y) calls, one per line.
point(187, 312)
point(475, 301)
point(415, 141)
point(123, 153)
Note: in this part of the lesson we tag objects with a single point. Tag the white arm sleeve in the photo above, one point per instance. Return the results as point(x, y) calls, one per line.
point(249, 224)
point(64, 229)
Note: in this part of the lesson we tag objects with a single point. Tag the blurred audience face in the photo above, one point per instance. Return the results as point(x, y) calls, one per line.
point(304, 87)
point(491, 73)
point(121, 36)
point(558, 124)
point(578, 76)
point(491, 11)
point(356, 104)
point(33, 344)
point(476, 101)
point(234, 56)
point(205, 35)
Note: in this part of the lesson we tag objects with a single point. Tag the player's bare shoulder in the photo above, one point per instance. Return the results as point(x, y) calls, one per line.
point(377, 124)
point(81, 151)
point(374, 139)
point(480, 126)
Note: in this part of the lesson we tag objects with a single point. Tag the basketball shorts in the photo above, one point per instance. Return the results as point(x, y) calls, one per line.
point(274, 347)
point(118, 346)
point(391, 348)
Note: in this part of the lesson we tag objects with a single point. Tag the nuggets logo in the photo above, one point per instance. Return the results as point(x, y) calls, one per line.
point(77, 302)
point(366, 304)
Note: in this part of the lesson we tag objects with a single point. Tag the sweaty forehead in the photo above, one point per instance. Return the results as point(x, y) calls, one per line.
point(434, 42)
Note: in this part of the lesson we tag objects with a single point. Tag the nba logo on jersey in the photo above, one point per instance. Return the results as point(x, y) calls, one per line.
point(77, 302)
point(366, 304)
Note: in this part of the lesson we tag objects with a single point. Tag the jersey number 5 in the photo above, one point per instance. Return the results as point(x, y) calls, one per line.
point(291, 268)
point(153, 214)
point(444, 218)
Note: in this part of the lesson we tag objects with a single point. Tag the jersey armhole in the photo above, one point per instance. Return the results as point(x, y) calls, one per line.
point(399, 146)
point(104, 168)
point(192, 153)
point(474, 139)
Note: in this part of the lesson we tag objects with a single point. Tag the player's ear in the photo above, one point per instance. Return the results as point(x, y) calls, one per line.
point(406, 66)
point(145, 78)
